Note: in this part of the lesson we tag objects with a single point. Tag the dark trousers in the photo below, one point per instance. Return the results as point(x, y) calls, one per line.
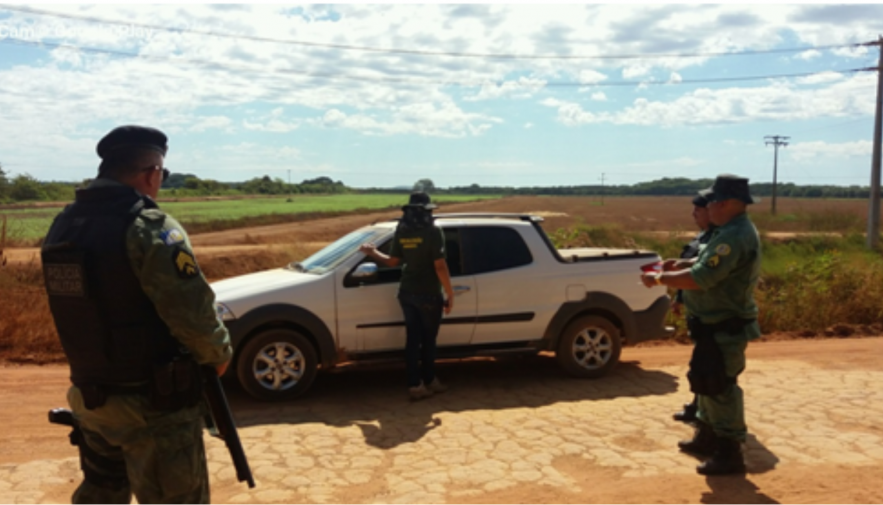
point(423, 315)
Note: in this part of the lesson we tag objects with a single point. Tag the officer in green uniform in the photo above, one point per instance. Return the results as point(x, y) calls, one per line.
point(690, 251)
point(719, 296)
point(419, 246)
point(136, 318)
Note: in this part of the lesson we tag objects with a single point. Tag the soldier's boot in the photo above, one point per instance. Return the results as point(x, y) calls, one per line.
point(727, 459)
point(704, 442)
point(688, 415)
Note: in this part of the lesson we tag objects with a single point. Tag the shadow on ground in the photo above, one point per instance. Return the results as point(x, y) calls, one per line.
point(375, 399)
point(734, 489)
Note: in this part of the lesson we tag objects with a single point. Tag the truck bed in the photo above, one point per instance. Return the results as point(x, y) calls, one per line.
point(582, 254)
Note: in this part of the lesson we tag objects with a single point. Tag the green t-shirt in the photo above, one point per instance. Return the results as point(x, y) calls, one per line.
point(418, 250)
point(727, 270)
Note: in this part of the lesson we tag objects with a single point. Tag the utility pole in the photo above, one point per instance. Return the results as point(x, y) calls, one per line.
point(602, 187)
point(874, 204)
point(777, 140)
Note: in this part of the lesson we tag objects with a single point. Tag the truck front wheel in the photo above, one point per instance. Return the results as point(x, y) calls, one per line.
point(277, 364)
point(589, 347)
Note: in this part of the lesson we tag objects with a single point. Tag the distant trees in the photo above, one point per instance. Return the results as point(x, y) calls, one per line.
point(25, 187)
point(4, 185)
point(425, 185)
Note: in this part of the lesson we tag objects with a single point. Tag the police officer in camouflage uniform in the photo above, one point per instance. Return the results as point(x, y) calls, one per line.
point(719, 296)
point(136, 318)
point(690, 251)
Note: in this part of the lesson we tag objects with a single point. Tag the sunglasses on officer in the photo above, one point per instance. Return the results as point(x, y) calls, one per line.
point(165, 171)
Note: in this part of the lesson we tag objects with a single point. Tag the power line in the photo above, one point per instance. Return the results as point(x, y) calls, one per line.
point(389, 79)
point(347, 47)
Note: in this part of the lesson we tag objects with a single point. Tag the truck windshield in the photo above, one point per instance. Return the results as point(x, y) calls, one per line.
point(332, 255)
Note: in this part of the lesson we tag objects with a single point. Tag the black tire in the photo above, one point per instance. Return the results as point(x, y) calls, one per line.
point(589, 347)
point(261, 365)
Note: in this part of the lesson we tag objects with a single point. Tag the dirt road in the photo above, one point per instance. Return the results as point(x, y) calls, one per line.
point(514, 431)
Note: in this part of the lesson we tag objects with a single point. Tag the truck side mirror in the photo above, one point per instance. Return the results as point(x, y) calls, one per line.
point(365, 272)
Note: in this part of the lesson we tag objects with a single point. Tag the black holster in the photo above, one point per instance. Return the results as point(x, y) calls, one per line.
point(176, 385)
point(708, 374)
point(98, 470)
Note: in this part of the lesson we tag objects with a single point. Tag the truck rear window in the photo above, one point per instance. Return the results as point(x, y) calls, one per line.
point(493, 248)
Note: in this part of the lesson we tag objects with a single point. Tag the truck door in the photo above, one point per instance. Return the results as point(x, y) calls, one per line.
point(510, 291)
point(369, 312)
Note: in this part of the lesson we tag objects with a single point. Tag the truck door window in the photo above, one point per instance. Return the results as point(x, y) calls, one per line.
point(493, 248)
point(453, 251)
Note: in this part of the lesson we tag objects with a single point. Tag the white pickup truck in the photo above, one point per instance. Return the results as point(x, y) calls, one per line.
point(514, 292)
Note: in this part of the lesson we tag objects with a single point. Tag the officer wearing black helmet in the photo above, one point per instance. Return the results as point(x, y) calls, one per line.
point(719, 296)
point(689, 252)
point(419, 246)
point(136, 318)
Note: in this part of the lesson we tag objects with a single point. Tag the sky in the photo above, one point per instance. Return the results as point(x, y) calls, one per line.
point(382, 95)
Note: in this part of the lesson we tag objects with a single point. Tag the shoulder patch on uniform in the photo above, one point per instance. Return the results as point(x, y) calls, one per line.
point(171, 236)
point(722, 249)
point(713, 261)
point(154, 215)
point(185, 263)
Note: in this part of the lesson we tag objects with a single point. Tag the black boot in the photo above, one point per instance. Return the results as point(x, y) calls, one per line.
point(727, 459)
point(688, 415)
point(704, 441)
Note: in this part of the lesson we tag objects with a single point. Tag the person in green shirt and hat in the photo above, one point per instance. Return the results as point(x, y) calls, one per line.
point(419, 246)
point(719, 297)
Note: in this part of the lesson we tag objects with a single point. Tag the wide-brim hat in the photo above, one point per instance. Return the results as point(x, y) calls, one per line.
point(729, 186)
point(421, 200)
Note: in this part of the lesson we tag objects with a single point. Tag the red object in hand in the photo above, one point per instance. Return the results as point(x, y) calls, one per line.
point(652, 267)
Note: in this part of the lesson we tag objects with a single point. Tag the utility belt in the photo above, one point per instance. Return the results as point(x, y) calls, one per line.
point(732, 326)
point(708, 374)
point(173, 386)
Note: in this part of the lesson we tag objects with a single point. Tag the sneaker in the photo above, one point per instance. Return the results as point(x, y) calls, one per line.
point(418, 393)
point(436, 386)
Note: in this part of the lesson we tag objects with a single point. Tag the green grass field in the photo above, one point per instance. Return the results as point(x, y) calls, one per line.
point(27, 225)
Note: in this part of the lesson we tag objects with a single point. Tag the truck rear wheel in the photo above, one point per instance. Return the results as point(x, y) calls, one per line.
point(277, 364)
point(589, 347)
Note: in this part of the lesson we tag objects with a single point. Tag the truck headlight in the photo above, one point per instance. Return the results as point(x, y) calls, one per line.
point(224, 313)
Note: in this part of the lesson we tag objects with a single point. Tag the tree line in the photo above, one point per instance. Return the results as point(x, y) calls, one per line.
point(24, 187)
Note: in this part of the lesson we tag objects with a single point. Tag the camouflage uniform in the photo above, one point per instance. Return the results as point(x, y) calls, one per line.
point(727, 272)
point(163, 452)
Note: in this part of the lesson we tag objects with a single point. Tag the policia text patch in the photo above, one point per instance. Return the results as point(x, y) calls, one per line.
point(65, 279)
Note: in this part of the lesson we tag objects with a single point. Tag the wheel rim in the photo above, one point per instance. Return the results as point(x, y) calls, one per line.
point(278, 366)
point(592, 348)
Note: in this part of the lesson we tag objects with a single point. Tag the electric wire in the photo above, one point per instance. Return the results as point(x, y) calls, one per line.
point(400, 80)
point(347, 47)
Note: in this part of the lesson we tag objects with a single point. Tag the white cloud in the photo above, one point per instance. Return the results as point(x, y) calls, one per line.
point(528, 126)
point(808, 151)
point(635, 70)
point(778, 101)
point(851, 52)
point(821, 77)
point(425, 119)
point(591, 77)
point(675, 78)
point(524, 87)
point(599, 96)
point(809, 55)
point(211, 123)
